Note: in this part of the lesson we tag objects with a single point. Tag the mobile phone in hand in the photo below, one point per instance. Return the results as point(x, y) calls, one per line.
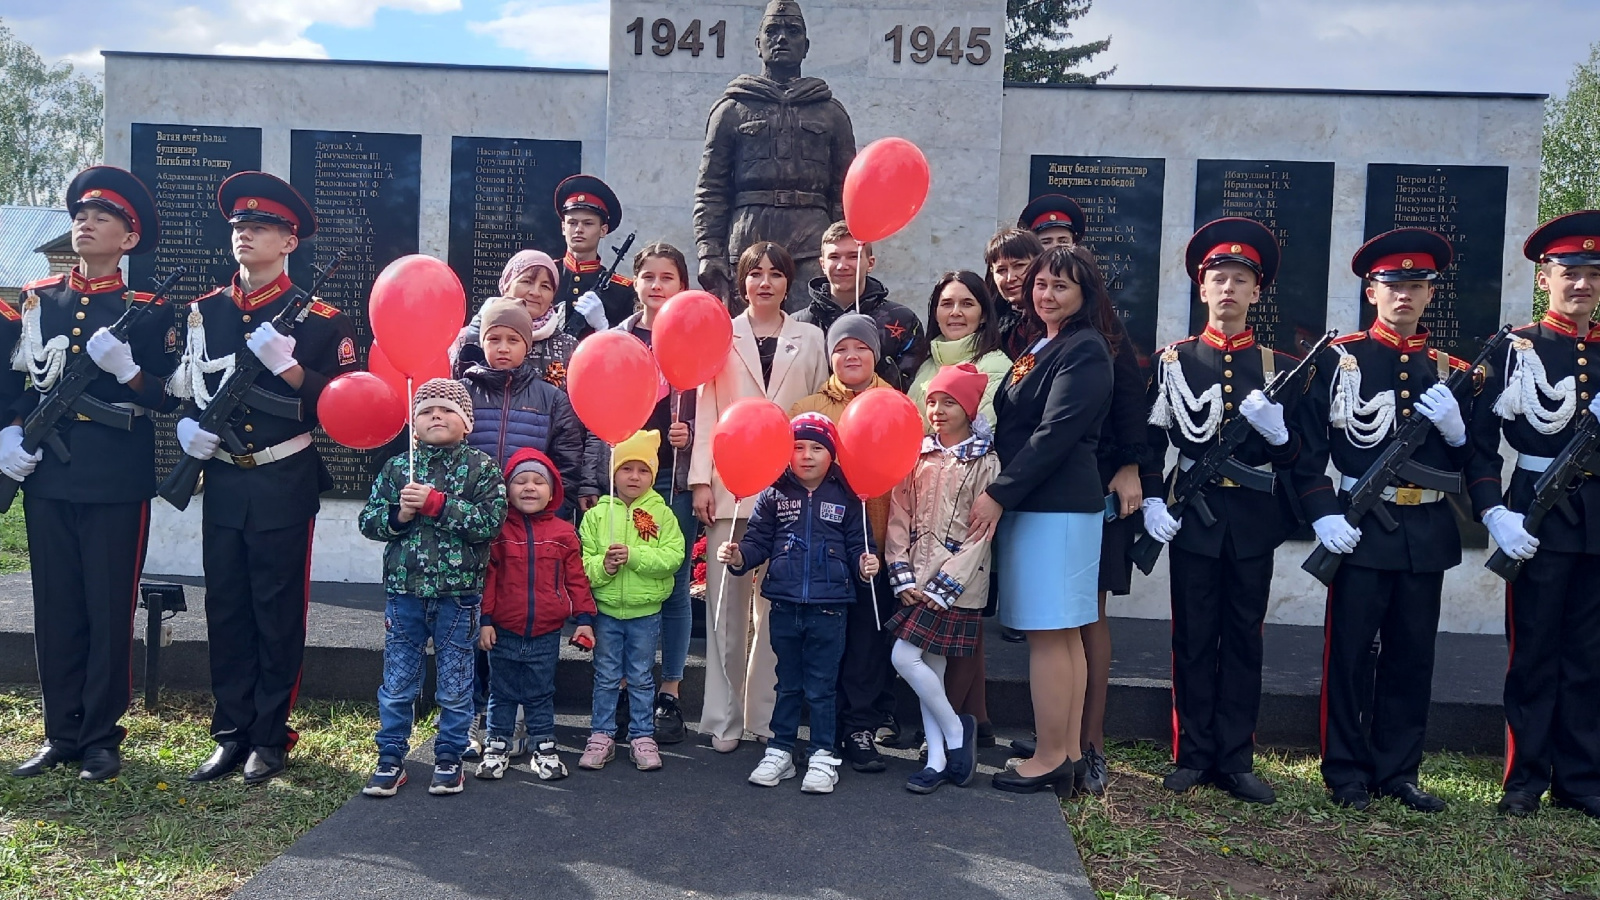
point(582, 642)
point(1113, 506)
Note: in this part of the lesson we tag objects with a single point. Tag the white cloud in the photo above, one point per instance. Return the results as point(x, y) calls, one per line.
point(552, 32)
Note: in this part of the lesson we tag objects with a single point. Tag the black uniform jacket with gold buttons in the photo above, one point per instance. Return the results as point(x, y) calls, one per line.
point(12, 382)
point(1427, 539)
point(108, 465)
point(616, 295)
point(1567, 350)
point(1254, 521)
point(282, 493)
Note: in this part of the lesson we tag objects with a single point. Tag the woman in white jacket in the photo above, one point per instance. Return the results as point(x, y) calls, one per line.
point(776, 357)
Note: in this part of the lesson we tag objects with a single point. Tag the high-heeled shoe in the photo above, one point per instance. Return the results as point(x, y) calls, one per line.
point(1010, 780)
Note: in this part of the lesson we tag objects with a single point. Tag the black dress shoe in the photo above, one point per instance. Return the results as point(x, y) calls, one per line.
point(100, 764)
point(1589, 806)
point(1180, 780)
point(1012, 635)
point(1092, 778)
point(1025, 748)
point(1352, 796)
point(223, 761)
point(1414, 797)
point(1520, 804)
point(47, 758)
point(1010, 780)
point(1247, 787)
point(264, 764)
point(985, 734)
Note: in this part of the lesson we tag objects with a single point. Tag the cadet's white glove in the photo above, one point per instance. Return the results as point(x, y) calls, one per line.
point(1158, 522)
point(1440, 406)
point(16, 464)
point(592, 310)
point(1266, 417)
point(195, 441)
point(1509, 533)
point(112, 356)
point(275, 351)
point(1338, 535)
point(1594, 406)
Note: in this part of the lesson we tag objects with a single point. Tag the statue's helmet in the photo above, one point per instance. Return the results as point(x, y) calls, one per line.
point(783, 9)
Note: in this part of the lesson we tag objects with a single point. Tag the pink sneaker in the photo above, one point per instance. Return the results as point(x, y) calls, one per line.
point(646, 755)
point(598, 751)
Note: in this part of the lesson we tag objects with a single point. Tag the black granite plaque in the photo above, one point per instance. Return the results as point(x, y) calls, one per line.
point(365, 191)
point(1121, 199)
point(183, 165)
point(1466, 204)
point(1295, 201)
point(501, 192)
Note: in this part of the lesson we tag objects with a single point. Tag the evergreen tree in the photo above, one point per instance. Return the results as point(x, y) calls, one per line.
point(1569, 176)
point(1038, 48)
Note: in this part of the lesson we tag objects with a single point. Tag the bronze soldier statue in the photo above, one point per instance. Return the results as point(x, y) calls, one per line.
point(777, 149)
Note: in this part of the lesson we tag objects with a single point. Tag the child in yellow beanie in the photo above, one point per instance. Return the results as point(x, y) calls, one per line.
point(632, 547)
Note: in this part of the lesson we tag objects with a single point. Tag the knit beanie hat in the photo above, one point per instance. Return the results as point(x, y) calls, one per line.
point(522, 262)
point(964, 383)
point(813, 426)
point(644, 446)
point(532, 465)
point(858, 326)
point(451, 395)
point(508, 312)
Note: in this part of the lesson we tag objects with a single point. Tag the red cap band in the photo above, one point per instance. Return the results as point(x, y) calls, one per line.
point(115, 199)
point(263, 205)
point(1232, 249)
point(1052, 219)
point(585, 199)
point(1396, 261)
point(1575, 244)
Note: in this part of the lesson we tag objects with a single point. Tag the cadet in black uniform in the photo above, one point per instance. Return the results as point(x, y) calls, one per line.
point(260, 506)
point(589, 211)
point(1221, 573)
point(1547, 386)
point(88, 518)
point(1056, 219)
point(1388, 587)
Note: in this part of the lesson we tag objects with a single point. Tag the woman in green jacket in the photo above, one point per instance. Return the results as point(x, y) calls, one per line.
point(965, 329)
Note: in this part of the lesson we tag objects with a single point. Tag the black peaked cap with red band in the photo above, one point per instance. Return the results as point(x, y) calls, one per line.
point(1569, 240)
point(589, 192)
point(259, 197)
point(119, 192)
point(1052, 211)
point(1233, 240)
point(1404, 254)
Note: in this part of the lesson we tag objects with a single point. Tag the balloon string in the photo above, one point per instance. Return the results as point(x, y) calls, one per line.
point(411, 445)
point(722, 586)
point(873, 581)
point(672, 489)
point(611, 490)
point(861, 276)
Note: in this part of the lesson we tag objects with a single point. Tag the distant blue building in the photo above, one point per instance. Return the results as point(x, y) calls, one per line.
point(31, 239)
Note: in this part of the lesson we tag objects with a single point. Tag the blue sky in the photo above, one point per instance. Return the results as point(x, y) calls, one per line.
point(1476, 45)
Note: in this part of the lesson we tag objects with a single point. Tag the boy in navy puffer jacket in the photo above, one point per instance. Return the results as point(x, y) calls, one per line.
point(535, 583)
point(809, 530)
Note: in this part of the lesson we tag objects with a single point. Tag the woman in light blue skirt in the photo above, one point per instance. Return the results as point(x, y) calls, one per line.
point(1049, 501)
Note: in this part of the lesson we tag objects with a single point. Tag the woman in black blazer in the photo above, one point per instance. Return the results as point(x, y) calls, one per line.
point(1050, 412)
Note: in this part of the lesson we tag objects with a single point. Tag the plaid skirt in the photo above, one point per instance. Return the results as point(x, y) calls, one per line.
point(942, 632)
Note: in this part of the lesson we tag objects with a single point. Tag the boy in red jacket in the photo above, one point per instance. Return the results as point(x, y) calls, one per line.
point(535, 584)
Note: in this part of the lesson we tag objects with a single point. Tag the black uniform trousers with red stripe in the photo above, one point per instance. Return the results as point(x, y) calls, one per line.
point(86, 560)
point(1552, 694)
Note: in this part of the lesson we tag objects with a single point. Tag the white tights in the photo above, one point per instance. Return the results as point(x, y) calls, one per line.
point(925, 673)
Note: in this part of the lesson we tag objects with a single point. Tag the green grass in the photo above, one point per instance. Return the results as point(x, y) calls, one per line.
point(13, 540)
point(150, 834)
point(1144, 842)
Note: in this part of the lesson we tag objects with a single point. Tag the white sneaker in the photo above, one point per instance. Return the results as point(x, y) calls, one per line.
point(821, 774)
point(547, 763)
point(775, 766)
point(495, 760)
point(519, 737)
point(477, 736)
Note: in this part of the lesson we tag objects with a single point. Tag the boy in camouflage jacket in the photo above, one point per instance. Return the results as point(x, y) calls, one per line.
point(438, 528)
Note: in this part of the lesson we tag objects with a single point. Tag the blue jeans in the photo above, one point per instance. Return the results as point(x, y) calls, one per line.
point(624, 647)
point(408, 622)
point(808, 639)
point(677, 614)
point(524, 671)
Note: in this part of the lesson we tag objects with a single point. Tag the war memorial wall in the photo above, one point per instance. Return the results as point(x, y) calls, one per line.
point(459, 162)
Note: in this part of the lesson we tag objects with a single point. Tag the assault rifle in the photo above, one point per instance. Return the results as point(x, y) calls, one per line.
point(239, 389)
point(42, 426)
point(1395, 464)
point(1218, 460)
point(622, 252)
point(1550, 491)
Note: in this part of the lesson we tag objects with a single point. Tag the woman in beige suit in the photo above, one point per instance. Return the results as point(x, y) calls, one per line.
point(776, 357)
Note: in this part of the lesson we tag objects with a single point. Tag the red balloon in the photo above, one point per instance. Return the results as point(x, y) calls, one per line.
point(751, 446)
point(885, 188)
point(416, 308)
point(361, 411)
point(378, 364)
point(613, 383)
point(690, 338)
point(880, 437)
